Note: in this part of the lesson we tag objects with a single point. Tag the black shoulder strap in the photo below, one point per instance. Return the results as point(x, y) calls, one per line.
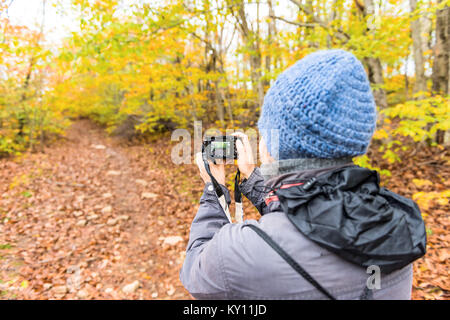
point(289, 260)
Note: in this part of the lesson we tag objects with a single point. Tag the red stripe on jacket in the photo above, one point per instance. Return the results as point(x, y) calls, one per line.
point(271, 197)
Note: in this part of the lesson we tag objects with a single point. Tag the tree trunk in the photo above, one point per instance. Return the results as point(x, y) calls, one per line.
point(441, 70)
point(374, 64)
point(251, 38)
point(310, 20)
point(376, 77)
point(219, 104)
point(331, 18)
point(419, 61)
point(441, 64)
point(271, 31)
point(426, 25)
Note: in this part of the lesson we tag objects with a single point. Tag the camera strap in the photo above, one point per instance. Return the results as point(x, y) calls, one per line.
point(239, 212)
point(283, 254)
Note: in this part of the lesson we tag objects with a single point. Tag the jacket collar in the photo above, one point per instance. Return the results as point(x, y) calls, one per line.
point(297, 174)
point(281, 167)
point(293, 178)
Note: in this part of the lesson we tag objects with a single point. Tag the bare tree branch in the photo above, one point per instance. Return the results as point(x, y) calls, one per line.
point(41, 33)
point(306, 25)
point(359, 6)
point(7, 8)
point(309, 13)
point(338, 33)
point(7, 21)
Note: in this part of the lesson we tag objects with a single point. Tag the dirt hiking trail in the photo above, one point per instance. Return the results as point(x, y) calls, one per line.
point(90, 218)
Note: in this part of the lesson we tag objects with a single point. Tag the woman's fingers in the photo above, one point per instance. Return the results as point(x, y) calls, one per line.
point(243, 144)
point(240, 147)
point(239, 134)
point(217, 170)
point(201, 167)
point(245, 154)
point(245, 161)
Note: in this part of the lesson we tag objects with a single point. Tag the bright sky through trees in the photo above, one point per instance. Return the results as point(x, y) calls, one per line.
point(59, 20)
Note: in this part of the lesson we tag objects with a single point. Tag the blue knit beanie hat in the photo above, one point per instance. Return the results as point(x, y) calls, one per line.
point(321, 107)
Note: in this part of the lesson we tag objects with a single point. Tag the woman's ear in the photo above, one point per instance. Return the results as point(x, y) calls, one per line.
point(264, 155)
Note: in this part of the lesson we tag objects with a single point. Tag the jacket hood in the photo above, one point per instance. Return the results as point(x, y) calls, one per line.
point(346, 211)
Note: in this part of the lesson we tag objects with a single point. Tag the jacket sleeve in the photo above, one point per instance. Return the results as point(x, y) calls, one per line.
point(202, 271)
point(255, 190)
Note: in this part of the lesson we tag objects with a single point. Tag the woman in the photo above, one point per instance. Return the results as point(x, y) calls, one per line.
point(326, 224)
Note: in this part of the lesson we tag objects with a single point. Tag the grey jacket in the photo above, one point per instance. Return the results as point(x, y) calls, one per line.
point(228, 261)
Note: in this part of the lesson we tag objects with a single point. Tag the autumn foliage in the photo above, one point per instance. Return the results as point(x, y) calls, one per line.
point(148, 67)
point(158, 66)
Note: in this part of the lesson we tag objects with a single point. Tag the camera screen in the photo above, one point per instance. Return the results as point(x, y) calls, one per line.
point(221, 149)
point(220, 145)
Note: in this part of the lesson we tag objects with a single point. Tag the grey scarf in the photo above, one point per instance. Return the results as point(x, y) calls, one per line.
point(280, 167)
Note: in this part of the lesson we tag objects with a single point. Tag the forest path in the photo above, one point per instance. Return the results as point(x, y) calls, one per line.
point(88, 218)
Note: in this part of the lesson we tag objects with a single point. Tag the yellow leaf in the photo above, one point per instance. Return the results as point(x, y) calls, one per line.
point(380, 134)
point(24, 284)
point(422, 182)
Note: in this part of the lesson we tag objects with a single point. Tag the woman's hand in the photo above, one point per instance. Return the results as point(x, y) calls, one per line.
point(245, 159)
point(217, 170)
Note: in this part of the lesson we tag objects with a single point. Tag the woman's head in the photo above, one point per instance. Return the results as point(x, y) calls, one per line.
point(321, 107)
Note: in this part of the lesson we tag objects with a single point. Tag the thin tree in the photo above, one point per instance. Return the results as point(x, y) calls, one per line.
point(441, 64)
point(419, 61)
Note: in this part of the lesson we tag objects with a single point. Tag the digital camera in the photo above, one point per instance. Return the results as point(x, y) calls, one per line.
point(219, 147)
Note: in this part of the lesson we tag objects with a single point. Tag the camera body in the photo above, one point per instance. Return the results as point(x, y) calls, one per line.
point(219, 147)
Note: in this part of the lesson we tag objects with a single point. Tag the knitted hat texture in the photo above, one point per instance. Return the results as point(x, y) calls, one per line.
point(321, 107)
